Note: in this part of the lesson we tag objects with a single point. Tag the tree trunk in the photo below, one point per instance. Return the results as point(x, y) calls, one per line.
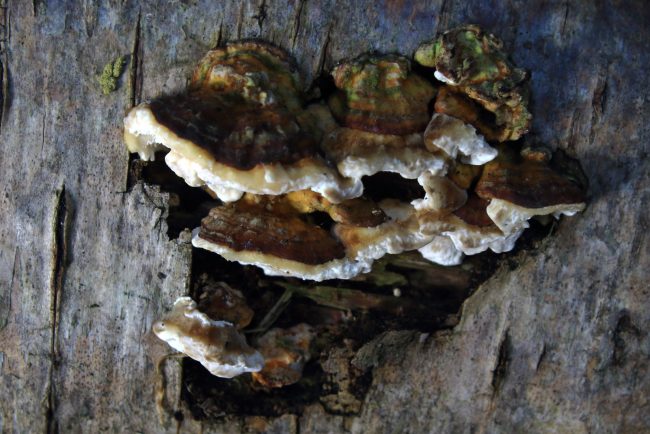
point(558, 344)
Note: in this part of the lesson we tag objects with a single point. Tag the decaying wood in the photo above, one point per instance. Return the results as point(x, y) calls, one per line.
point(557, 342)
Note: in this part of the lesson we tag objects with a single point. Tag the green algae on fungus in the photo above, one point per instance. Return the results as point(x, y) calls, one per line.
point(466, 55)
point(111, 74)
point(473, 62)
point(257, 71)
point(383, 108)
point(380, 94)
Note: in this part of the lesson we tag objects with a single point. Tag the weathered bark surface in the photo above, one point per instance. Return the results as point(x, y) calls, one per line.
point(560, 343)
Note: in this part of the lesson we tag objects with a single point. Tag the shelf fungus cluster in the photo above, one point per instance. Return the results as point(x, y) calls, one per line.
point(293, 178)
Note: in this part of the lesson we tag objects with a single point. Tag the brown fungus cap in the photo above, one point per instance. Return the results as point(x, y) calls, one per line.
point(454, 103)
point(466, 235)
point(474, 211)
point(235, 132)
point(217, 345)
point(527, 182)
point(466, 55)
point(273, 235)
point(239, 128)
point(520, 187)
point(356, 212)
point(381, 94)
point(244, 228)
point(441, 194)
point(511, 189)
point(291, 175)
point(400, 233)
point(219, 301)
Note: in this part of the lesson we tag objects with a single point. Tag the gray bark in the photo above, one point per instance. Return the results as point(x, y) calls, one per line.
point(558, 344)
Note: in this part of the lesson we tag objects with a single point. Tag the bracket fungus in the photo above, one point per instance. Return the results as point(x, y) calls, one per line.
point(520, 187)
point(238, 128)
point(482, 80)
point(380, 94)
point(359, 153)
point(383, 108)
point(217, 345)
point(300, 185)
point(242, 130)
point(280, 244)
point(284, 244)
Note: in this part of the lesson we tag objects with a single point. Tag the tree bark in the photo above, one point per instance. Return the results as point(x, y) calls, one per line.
point(560, 343)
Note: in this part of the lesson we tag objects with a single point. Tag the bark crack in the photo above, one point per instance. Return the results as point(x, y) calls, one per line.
point(135, 84)
point(136, 65)
point(441, 22)
point(599, 101)
point(5, 302)
point(163, 407)
point(240, 20)
point(501, 366)
point(323, 52)
point(36, 6)
point(296, 28)
point(261, 15)
point(624, 330)
point(4, 61)
point(572, 131)
point(220, 34)
point(60, 226)
point(43, 132)
point(542, 356)
point(566, 16)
